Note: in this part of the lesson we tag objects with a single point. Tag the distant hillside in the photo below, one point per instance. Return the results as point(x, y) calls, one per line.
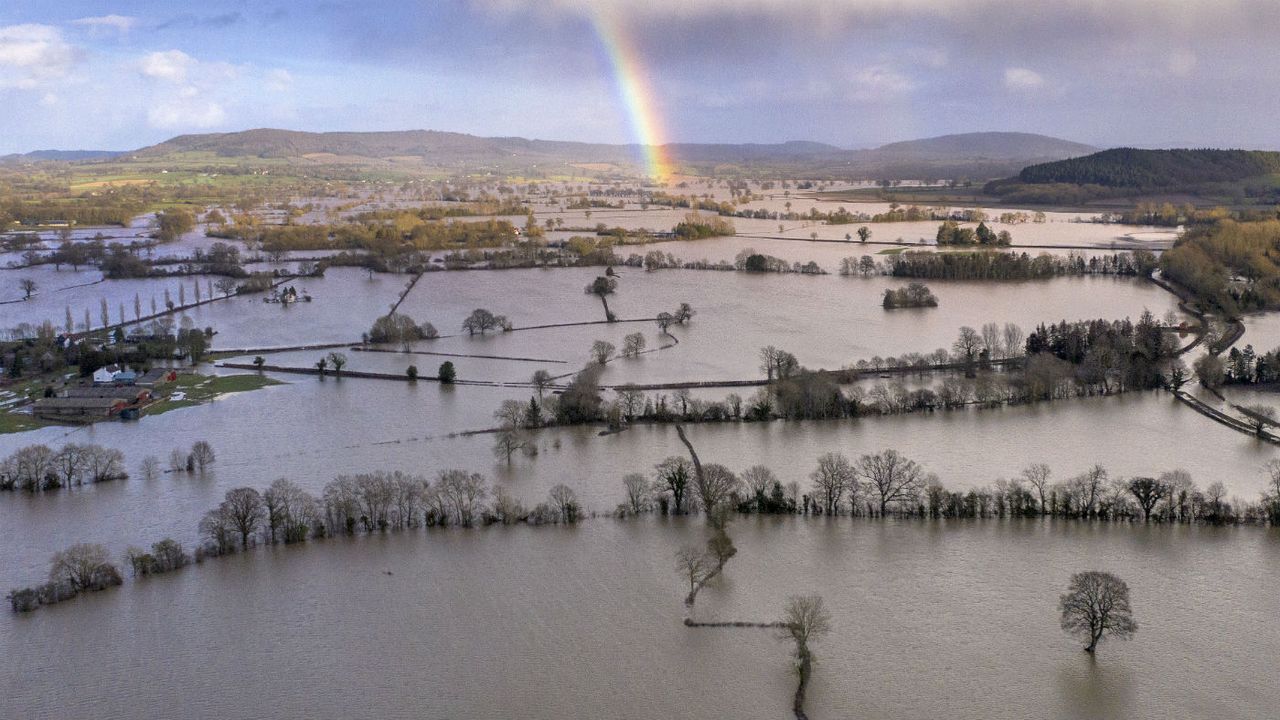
point(976, 156)
point(59, 155)
point(449, 148)
point(1155, 169)
point(991, 145)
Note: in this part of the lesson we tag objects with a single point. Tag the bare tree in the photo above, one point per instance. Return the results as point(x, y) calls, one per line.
point(759, 480)
point(891, 477)
point(968, 344)
point(150, 467)
point(717, 487)
point(1037, 476)
point(564, 502)
point(1095, 606)
point(244, 510)
point(632, 345)
point(541, 381)
point(673, 480)
point(1087, 488)
point(77, 565)
point(337, 360)
point(1147, 491)
point(508, 441)
point(991, 339)
point(463, 492)
point(638, 492)
point(692, 566)
point(1013, 339)
point(768, 361)
point(216, 527)
point(1259, 416)
point(715, 484)
point(28, 287)
point(601, 351)
point(833, 477)
point(226, 286)
point(510, 414)
point(805, 621)
point(202, 455)
point(630, 401)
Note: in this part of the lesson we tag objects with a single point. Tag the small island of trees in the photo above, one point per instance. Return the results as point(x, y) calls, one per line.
point(914, 295)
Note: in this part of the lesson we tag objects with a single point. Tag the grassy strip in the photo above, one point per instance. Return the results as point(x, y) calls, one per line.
point(203, 388)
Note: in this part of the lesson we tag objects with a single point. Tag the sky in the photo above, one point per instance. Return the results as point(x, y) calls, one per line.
point(854, 73)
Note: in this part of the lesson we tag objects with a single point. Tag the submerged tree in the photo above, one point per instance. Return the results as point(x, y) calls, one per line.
point(804, 621)
point(692, 566)
point(1096, 606)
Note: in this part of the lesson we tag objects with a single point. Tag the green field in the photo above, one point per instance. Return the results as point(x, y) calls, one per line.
point(203, 388)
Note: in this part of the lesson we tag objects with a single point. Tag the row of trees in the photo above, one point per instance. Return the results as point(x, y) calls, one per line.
point(370, 502)
point(888, 483)
point(37, 468)
point(951, 233)
point(988, 265)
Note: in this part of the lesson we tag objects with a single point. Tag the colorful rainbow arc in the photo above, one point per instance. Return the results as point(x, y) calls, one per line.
point(636, 94)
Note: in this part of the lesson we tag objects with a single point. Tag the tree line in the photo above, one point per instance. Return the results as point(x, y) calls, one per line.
point(988, 265)
point(287, 513)
point(889, 484)
point(37, 468)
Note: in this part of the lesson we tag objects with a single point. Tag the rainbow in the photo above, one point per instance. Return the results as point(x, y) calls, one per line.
point(636, 94)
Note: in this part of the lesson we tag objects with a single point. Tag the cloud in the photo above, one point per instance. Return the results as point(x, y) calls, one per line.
point(1020, 78)
point(187, 110)
point(31, 55)
point(169, 65)
point(119, 23)
point(189, 93)
point(880, 82)
point(279, 80)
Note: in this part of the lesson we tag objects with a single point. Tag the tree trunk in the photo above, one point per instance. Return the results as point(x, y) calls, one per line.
point(806, 665)
point(1093, 641)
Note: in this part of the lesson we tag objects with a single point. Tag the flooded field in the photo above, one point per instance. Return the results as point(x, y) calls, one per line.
point(929, 619)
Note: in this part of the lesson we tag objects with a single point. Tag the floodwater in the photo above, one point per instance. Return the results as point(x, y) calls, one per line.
point(310, 431)
point(929, 619)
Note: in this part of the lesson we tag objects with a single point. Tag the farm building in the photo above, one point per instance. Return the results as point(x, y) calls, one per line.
point(84, 409)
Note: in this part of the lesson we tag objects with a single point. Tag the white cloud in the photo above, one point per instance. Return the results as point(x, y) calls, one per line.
point(31, 55)
point(119, 23)
point(1020, 78)
point(880, 81)
point(279, 80)
point(169, 65)
point(187, 110)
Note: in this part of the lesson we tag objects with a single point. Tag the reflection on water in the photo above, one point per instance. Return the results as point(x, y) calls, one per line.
point(931, 619)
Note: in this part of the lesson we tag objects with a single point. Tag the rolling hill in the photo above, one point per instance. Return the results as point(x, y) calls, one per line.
point(978, 156)
point(1133, 168)
point(989, 145)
